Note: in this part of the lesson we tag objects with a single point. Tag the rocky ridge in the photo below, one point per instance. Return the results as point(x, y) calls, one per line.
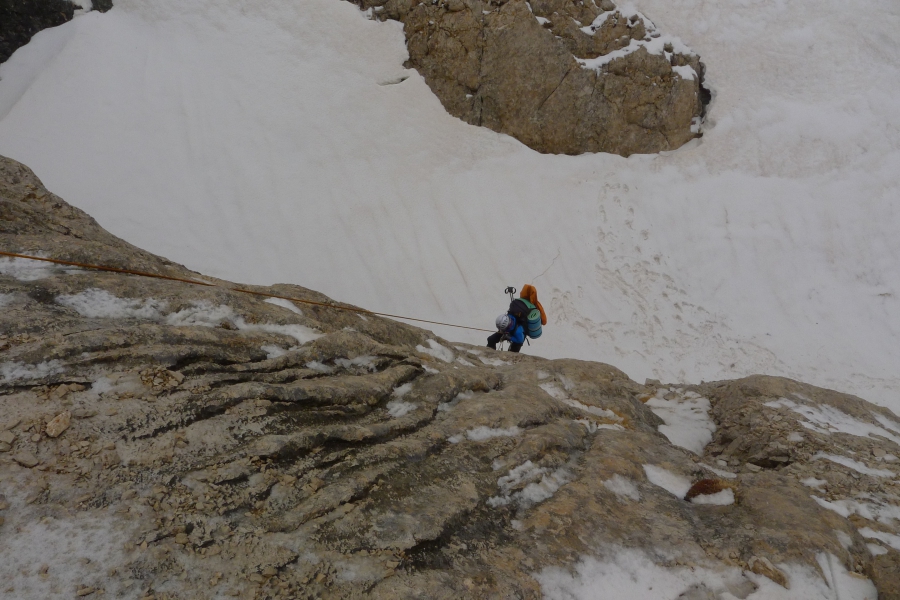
point(561, 76)
point(21, 19)
point(165, 440)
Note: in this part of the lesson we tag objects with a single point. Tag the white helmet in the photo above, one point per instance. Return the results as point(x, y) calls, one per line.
point(502, 322)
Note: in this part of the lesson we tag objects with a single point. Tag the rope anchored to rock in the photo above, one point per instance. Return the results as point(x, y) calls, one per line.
point(361, 311)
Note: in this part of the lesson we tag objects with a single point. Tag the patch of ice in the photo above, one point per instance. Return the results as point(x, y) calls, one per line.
point(594, 410)
point(845, 540)
point(855, 465)
point(588, 424)
point(114, 383)
point(479, 434)
point(464, 362)
point(319, 367)
point(795, 437)
point(542, 374)
point(301, 333)
point(873, 510)
point(623, 488)
point(402, 390)
point(719, 472)
point(554, 391)
point(365, 362)
point(273, 351)
point(889, 423)
point(25, 269)
point(631, 573)
point(285, 304)
point(827, 419)
point(19, 371)
point(813, 482)
point(723, 498)
point(446, 406)
point(65, 545)
point(95, 303)
point(888, 538)
point(677, 485)
point(494, 362)
point(613, 426)
point(431, 370)
point(686, 417)
point(597, 23)
point(437, 351)
point(543, 484)
point(686, 72)
point(398, 408)
point(201, 314)
point(205, 314)
point(362, 316)
point(6, 299)
point(652, 45)
point(876, 550)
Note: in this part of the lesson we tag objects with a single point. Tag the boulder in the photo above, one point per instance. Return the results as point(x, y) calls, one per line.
point(561, 76)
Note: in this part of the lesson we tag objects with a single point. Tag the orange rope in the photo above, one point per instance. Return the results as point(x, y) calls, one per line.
point(233, 289)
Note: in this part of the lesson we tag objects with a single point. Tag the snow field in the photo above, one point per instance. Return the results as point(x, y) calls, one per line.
point(264, 141)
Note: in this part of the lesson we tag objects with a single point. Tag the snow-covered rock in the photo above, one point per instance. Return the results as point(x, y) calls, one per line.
point(561, 76)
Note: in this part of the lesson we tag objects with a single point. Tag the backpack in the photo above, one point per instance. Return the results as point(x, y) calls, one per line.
point(528, 315)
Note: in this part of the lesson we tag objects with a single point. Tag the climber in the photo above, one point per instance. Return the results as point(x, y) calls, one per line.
point(523, 319)
point(507, 329)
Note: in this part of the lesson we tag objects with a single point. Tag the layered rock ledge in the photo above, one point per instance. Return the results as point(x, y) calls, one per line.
point(561, 76)
point(165, 440)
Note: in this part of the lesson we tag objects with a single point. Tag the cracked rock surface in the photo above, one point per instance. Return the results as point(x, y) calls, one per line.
point(160, 439)
point(561, 76)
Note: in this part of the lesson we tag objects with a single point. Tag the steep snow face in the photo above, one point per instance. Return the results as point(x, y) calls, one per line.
point(270, 141)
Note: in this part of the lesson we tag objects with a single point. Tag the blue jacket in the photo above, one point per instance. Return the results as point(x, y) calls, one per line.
point(515, 332)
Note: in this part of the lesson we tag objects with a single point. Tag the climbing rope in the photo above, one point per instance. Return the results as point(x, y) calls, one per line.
point(361, 311)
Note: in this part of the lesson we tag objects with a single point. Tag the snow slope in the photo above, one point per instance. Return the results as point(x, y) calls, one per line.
point(268, 141)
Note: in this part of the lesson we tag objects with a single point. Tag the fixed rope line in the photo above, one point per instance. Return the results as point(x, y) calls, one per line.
point(232, 289)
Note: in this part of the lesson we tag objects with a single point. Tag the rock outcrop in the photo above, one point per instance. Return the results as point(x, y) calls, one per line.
point(21, 19)
point(561, 76)
point(194, 441)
